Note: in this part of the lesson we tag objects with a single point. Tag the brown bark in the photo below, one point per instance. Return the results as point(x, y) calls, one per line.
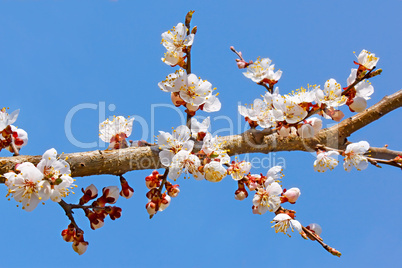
point(118, 162)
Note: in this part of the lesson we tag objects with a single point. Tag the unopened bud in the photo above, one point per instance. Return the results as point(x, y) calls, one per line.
point(79, 245)
point(337, 115)
point(91, 192)
point(375, 73)
point(151, 208)
point(292, 195)
point(241, 194)
point(165, 202)
point(315, 228)
point(189, 16)
point(358, 105)
point(69, 233)
point(126, 190)
point(194, 30)
point(306, 131)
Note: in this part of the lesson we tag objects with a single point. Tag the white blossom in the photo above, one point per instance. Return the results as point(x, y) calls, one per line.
point(292, 112)
point(363, 92)
point(171, 144)
point(304, 95)
point(7, 119)
point(116, 131)
point(27, 187)
point(57, 173)
point(262, 71)
point(274, 174)
point(213, 149)
point(284, 221)
point(192, 90)
point(367, 59)
point(268, 199)
point(239, 169)
point(214, 171)
point(262, 113)
point(326, 160)
point(176, 39)
point(354, 156)
point(187, 161)
point(20, 138)
point(331, 95)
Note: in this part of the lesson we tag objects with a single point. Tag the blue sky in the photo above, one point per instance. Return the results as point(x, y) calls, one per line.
point(104, 56)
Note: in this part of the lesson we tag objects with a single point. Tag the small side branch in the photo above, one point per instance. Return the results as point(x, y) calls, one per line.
point(68, 210)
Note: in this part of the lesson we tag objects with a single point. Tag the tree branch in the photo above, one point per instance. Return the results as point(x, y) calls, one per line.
point(117, 162)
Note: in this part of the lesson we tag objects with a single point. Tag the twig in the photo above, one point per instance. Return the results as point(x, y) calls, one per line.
point(371, 160)
point(188, 49)
point(120, 161)
point(311, 235)
point(357, 80)
point(68, 209)
point(15, 149)
point(270, 88)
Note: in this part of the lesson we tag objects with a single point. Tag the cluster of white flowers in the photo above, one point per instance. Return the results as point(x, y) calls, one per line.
point(287, 113)
point(176, 42)
point(190, 91)
point(10, 133)
point(354, 157)
point(176, 153)
point(269, 194)
point(49, 179)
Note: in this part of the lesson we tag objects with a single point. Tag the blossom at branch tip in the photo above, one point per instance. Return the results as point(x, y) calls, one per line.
point(176, 41)
point(262, 72)
point(367, 60)
point(239, 169)
point(331, 95)
point(284, 221)
point(171, 144)
point(116, 131)
point(326, 160)
point(7, 119)
point(354, 156)
point(314, 227)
